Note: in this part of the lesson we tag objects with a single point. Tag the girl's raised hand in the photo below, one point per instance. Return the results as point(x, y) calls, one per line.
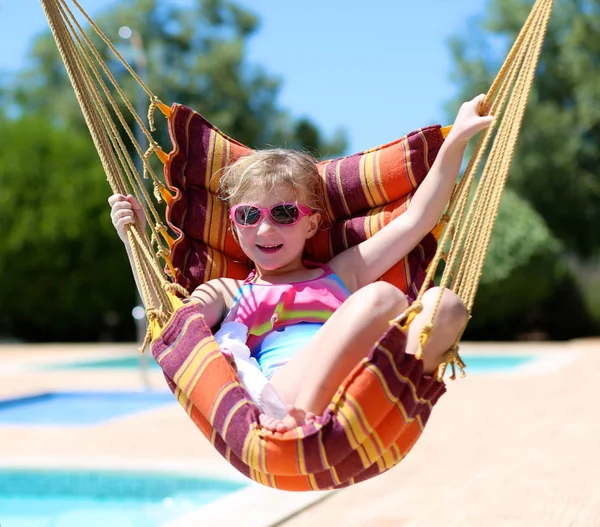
point(123, 211)
point(469, 120)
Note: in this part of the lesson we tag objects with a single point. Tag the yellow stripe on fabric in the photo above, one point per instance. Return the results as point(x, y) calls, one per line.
point(389, 459)
point(313, 482)
point(167, 351)
point(345, 414)
point(338, 179)
point(368, 437)
point(195, 365)
point(370, 177)
point(325, 194)
point(381, 186)
point(300, 456)
point(391, 398)
point(224, 391)
point(183, 400)
point(425, 150)
point(409, 170)
point(366, 180)
point(210, 157)
point(232, 411)
point(213, 436)
point(413, 388)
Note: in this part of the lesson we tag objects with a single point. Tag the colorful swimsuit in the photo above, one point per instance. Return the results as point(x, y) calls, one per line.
point(282, 318)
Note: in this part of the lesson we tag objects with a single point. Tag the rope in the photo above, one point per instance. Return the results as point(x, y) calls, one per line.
point(469, 218)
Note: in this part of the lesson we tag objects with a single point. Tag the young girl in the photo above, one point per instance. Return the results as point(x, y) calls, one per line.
point(310, 324)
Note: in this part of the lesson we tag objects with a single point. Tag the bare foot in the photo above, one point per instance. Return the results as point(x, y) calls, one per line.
point(295, 417)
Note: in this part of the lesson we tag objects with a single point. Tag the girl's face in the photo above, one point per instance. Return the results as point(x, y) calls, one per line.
point(274, 247)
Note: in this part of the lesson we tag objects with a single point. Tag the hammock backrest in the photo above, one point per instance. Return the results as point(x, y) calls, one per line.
point(470, 221)
point(377, 186)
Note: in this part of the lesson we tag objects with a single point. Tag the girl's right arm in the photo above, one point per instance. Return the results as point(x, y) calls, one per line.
point(124, 211)
point(214, 297)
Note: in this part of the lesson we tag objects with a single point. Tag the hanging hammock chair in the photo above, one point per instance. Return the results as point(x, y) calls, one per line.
point(380, 410)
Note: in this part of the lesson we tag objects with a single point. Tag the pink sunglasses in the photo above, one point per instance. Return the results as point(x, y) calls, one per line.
point(281, 214)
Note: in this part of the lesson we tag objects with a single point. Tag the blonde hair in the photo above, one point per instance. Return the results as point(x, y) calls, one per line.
point(265, 169)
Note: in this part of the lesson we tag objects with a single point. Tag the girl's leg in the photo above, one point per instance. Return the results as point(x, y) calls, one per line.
point(449, 320)
point(310, 380)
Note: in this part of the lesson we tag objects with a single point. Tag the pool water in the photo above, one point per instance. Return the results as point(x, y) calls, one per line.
point(484, 363)
point(130, 362)
point(476, 363)
point(39, 498)
point(79, 408)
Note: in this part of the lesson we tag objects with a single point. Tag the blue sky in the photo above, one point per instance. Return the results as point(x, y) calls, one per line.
point(377, 69)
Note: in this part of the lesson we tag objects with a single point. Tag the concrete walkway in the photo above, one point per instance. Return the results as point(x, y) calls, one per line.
point(499, 450)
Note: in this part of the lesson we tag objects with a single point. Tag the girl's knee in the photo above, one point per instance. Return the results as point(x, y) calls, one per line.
point(382, 297)
point(451, 310)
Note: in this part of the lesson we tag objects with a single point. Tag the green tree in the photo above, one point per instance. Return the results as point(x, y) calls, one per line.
point(195, 56)
point(65, 273)
point(558, 154)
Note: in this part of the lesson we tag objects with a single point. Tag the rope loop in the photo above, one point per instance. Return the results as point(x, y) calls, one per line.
point(404, 320)
point(158, 188)
point(154, 104)
point(175, 288)
point(153, 315)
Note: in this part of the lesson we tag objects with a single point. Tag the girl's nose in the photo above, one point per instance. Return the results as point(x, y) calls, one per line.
point(265, 225)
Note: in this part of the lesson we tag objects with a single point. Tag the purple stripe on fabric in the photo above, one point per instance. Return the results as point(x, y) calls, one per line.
point(235, 461)
point(347, 234)
point(352, 195)
point(406, 365)
point(185, 331)
point(334, 438)
point(350, 466)
point(239, 423)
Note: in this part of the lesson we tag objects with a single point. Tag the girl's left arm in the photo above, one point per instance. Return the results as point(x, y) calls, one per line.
point(364, 263)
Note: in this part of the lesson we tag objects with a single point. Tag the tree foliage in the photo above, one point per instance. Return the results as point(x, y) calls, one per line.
point(525, 286)
point(558, 154)
point(65, 273)
point(195, 56)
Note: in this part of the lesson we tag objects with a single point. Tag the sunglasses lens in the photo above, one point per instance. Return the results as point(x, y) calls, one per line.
point(285, 213)
point(247, 215)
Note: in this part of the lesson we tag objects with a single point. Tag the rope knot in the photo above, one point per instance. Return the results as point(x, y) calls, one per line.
point(452, 359)
point(152, 315)
point(404, 320)
point(175, 288)
point(154, 104)
point(158, 189)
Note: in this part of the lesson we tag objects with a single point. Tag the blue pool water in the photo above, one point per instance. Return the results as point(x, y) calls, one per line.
point(42, 498)
point(129, 362)
point(476, 363)
point(79, 408)
point(485, 363)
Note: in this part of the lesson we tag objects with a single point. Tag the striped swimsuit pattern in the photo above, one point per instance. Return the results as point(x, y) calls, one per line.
point(282, 318)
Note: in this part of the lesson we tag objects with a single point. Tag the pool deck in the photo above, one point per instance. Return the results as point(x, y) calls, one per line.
point(499, 450)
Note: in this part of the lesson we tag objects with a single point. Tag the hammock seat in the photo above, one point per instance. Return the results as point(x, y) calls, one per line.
point(381, 408)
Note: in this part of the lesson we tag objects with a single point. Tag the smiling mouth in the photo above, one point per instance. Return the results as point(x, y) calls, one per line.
point(270, 248)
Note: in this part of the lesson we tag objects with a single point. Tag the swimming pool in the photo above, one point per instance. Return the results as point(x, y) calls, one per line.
point(477, 363)
point(79, 408)
point(73, 498)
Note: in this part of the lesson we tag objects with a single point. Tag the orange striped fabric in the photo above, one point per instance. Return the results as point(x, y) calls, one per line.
point(371, 424)
point(380, 410)
point(363, 193)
